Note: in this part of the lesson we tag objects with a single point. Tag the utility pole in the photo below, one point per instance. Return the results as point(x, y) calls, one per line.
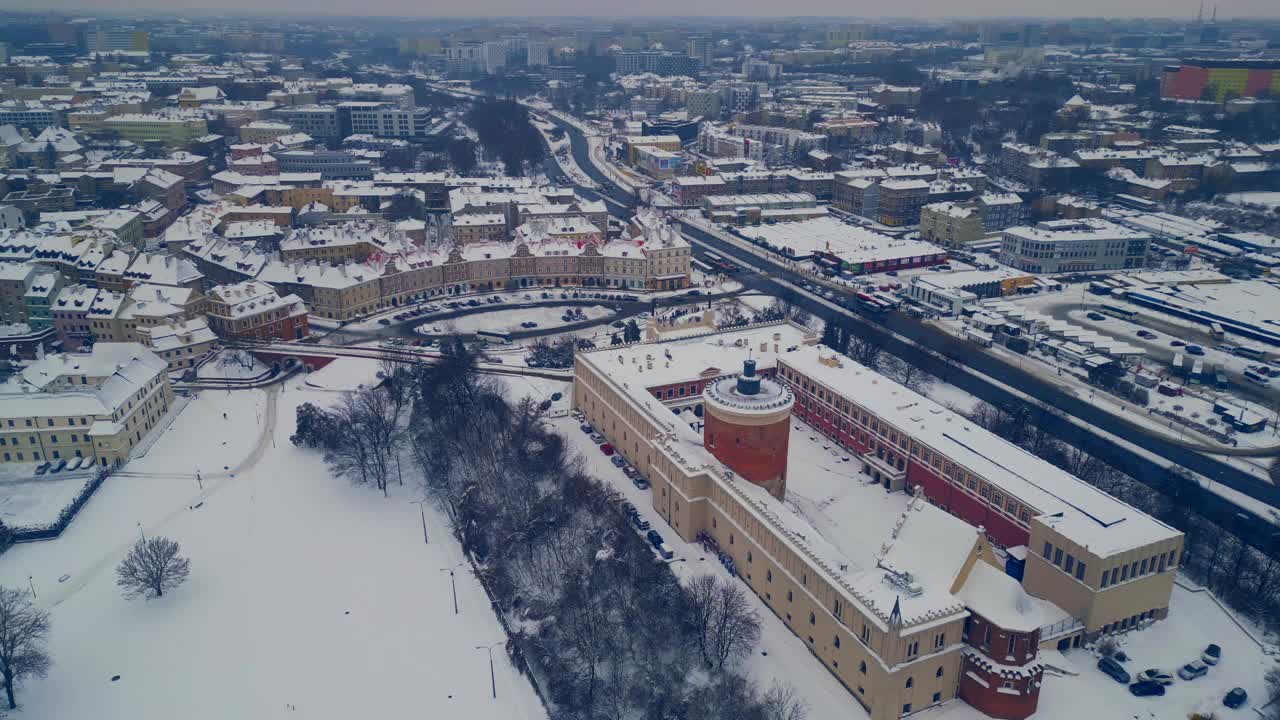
point(423, 512)
point(454, 583)
point(493, 679)
point(32, 584)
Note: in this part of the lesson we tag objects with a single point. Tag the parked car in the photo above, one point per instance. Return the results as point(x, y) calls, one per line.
point(1211, 655)
point(556, 396)
point(1114, 669)
point(1193, 670)
point(607, 449)
point(42, 468)
point(59, 466)
point(639, 522)
point(640, 482)
point(1156, 676)
point(1096, 316)
point(586, 428)
point(629, 508)
point(384, 321)
point(1146, 335)
point(664, 552)
point(1194, 350)
point(1176, 343)
point(597, 438)
point(1146, 689)
point(654, 538)
point(617, 461)
point(629, 471)
point(1236, 698)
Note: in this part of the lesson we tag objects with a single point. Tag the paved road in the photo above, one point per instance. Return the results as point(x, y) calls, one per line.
point(945, 356)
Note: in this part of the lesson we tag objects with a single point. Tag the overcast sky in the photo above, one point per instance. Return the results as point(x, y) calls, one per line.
point(1227, 9)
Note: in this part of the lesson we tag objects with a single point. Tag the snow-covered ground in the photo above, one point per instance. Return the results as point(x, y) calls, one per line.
point(308, 597)
point(345, 373)
point(29, 500)
point(228, 365)
point(506, 319)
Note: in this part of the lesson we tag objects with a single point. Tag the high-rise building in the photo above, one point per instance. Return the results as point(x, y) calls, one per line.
point(106, 40)
point(1219, 80)
point(539, 53)
point(699, 48)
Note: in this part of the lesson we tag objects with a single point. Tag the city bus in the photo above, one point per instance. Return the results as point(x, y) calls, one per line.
point(1257, 378)
point(1119, 311)
point(1216, 331)
point(1252, 353)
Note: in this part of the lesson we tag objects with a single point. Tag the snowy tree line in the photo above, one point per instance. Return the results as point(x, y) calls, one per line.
point(602, 625)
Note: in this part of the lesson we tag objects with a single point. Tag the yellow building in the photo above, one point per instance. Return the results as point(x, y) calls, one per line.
point(98, 404)
point(172, 129)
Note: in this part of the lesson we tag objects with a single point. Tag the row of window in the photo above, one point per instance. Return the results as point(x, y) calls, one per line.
point(1066, 562)
point(51, 422)
point(1139, 568)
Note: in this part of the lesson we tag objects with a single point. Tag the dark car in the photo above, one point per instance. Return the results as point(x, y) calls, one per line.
point(1236, 698)
point(1146, 689)
point(586, 428)
point(654, 538)
point(1176, 343)
point(629, 508)
point(1114, 669)
point(640, 482)
point(384, 321)
point(1096, 316)
point(616, 459)
point(1211, 655)
point(639, 522)
point(1194, 350)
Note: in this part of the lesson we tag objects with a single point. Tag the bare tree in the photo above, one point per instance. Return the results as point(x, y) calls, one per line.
point(724, 623)
point(866, 349)
point(781, 703)
point(23, 628)
point(908, 374)
point(151, 567)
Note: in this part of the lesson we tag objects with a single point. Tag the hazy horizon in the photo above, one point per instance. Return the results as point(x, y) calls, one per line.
point(674, 9)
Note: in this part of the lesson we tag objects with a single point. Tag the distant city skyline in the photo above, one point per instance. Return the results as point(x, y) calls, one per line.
point(924, 9)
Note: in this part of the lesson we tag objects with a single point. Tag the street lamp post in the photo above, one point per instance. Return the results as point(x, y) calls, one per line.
point(493, 679)
point(32, 584)
point(142, 534)
point(423, 512)
point(454, 583)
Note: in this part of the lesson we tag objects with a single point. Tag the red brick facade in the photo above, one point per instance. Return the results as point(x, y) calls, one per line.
point(1001, 672)
point(756, 452)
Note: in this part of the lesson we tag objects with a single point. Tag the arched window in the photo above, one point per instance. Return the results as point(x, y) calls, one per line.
point(813, 619)
point(911, 682)
point(837, 640)
point(862, 667)
point(939, 673)
point(768, 576)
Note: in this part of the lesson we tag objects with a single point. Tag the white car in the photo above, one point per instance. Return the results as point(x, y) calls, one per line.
point(1193, 670)
point(1155, 676)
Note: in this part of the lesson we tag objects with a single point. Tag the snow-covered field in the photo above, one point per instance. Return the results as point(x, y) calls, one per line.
point(222, 366)
point(308, 597)
point(29, 500)
point(503, 320)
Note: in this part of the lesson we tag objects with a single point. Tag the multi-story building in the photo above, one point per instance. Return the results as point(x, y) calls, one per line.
point(331, 164)
point(318, 121)
point(897, 594)
point(1001, 210)
point(951, 225)
point(1221, 79)
point(181, 344)
point(173, 129)
point(97, 404)
point(1086, 244)
point(31, 115)
point(901, 201)
point(387, 120)
point(253, 309)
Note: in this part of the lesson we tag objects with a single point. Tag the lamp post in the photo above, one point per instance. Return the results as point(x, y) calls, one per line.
point(493, 679)
point(454, 583)
point(422, 511)
point(31, 583)
point(142, 534)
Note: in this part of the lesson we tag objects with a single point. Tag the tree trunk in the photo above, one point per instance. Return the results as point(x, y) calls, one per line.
point(159, 590)
point(8, 688)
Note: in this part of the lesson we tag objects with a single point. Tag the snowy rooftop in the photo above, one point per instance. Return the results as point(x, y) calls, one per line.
point(1089, 516)
point(851, 243)
point(1080, 230)
point(114, 372)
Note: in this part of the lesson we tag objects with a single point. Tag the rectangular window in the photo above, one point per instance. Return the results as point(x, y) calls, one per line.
point(1057, 557)
point(1124, 573)
point(1048, 550)
point(1143, 570)
point(1071, 564)
point(1080, 569)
